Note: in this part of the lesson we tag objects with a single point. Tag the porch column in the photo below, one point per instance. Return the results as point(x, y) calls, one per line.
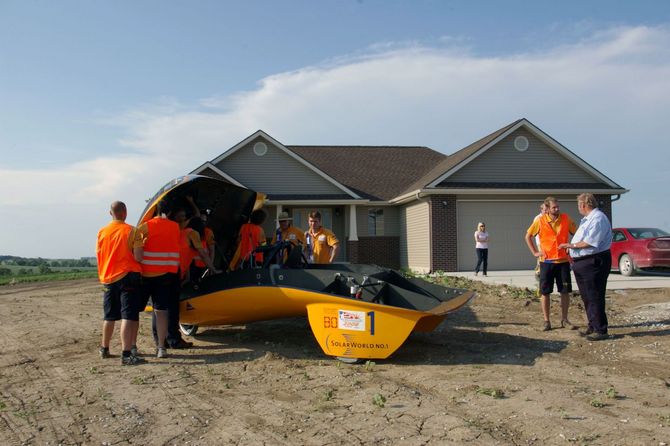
point(353, 230)
point(277, 212)
point(352, 244)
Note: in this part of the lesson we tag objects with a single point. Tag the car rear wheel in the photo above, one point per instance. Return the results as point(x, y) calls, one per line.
point(626, 265)
point(188, 330)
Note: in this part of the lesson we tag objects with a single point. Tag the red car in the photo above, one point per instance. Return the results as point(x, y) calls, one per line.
point(634, 249)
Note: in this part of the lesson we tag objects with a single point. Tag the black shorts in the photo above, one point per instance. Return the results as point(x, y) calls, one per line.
point(121, 297)
point(161, 289)
point(558, 273)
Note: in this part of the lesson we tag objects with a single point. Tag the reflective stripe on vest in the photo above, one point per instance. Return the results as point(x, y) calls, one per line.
point(161, 250)
point(550, 240)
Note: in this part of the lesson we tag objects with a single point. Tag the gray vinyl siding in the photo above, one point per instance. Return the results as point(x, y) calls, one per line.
point(415, 237)
point(540, 163)
point(276, 172)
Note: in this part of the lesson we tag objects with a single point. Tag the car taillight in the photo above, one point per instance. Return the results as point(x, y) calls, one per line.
point(659, 244)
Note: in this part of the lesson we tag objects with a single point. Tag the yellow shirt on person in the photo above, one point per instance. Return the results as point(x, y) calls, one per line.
point(292, 234)
point(322, 241)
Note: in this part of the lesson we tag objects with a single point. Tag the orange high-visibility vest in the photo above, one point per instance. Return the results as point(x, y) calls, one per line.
point(115, 259)
point(549, 239)
point(198, 261)
point(161, 250)
point(187, 253)
point(250, 239)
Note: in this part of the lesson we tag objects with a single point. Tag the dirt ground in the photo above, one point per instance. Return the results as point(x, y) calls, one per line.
point(487, 375)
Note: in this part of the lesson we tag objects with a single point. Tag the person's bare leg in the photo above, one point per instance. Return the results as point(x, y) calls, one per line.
point(107, 332)
point(565, 305)
point(126, 334)
point(134, 329)
point(545, 301)
point(161, 327)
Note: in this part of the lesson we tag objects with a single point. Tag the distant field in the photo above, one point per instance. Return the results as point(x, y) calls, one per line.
point(15, 268)
point(59, 273)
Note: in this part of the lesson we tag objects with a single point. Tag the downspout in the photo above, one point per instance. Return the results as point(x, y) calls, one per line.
point(612, 200)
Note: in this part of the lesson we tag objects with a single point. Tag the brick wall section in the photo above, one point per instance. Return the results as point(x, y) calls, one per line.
point(444, 236)
point(605, 205)
point(379, 250)
point(352, 252)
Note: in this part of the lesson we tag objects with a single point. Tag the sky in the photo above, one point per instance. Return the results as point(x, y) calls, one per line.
point(108, 100)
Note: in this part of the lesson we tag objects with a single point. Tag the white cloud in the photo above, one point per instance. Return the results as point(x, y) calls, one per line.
point(607, 98)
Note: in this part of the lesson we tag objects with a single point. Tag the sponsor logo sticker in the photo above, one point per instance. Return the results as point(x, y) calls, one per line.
point(351, 320)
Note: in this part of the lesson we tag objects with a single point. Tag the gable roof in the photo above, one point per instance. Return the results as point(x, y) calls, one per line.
point(455, 159)
point(280, 146)
point(374, 172)
point(466, 155)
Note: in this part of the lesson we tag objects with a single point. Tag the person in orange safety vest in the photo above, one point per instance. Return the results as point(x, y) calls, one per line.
point(157, 248)
point(119, 273)
point(251, 237)
point(553, 229)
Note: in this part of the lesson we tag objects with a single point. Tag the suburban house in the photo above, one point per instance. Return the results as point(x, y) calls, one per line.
point(413, 207)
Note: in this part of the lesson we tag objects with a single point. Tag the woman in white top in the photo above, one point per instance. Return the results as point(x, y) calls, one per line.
point(482, 248)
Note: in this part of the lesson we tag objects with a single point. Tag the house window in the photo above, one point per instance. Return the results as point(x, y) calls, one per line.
point(375, 222)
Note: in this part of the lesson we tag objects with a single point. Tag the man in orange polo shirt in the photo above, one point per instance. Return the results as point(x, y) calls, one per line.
point(553, 228)
point(322, 245)
point(119, 272)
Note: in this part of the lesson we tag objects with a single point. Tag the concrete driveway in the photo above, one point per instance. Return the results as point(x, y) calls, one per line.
point(526, 279)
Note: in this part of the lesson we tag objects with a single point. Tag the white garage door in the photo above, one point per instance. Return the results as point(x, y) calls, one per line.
point(506, 223)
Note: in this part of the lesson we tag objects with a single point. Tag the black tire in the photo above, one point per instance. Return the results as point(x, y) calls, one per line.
point(188, 330)
point(626, 265)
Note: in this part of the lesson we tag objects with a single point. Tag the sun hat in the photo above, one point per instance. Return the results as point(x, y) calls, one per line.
point(283, 216)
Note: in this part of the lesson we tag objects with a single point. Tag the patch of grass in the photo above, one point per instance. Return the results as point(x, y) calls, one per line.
point(138, 380)
point(3, 406)
point(611, 393)
point(306, 377)
point(492, 392)
point(328, 395)
point(94, 371)
point(369, 365)
point(378, 400)
point(103, 394)
point(665, 419)
point(595, 402)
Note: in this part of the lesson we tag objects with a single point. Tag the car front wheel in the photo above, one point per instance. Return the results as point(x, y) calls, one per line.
point(626, 266)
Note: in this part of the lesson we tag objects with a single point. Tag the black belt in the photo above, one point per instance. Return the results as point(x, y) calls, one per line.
point(577, 259)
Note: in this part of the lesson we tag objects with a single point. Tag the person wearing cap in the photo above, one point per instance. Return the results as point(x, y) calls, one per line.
point(322, 245)
point(287, 232)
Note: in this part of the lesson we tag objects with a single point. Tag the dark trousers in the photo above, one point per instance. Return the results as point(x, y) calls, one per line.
point(591, 274)
point(173, 334)
point(482, 258)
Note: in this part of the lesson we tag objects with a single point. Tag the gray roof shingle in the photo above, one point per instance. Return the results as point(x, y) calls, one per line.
point(377, 172)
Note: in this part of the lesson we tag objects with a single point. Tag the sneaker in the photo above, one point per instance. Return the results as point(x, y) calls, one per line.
point(161, 352)
point(547, 326)
point(585, 332)
point(567, 324)
point(181, 344)
point(133, 350)
point(104, 352)
point(131, 360)
point(597, 336)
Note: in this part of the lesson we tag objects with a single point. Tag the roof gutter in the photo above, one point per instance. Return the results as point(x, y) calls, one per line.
point(419, 193)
